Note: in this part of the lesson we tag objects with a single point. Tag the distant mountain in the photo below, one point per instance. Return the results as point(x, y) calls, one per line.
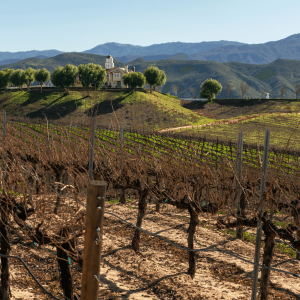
point(27, 54)
point(8, 61)
point(177, 56)
point(191, 73)
point(119, 50)
point(220, 51)
point(51, 63)
point(288, 48)
point(41, 56)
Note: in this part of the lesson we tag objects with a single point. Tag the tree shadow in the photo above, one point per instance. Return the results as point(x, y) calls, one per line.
point(107, 106)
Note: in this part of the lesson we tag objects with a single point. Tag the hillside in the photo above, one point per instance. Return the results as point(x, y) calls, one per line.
point(287, 48)
point(130, 110)
point(187, 74)
point(177, 56)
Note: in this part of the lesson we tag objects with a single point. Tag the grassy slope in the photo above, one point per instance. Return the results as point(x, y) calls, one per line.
point(230, 109)
point(284, 130)
point(254, 129)
point(138, 109)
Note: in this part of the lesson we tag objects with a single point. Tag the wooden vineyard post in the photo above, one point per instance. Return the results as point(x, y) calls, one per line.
point(92, 144)
point(93, 240)
point(122, 195)
point(4, 152)
point(5, 236)
point(259, 225)
point(217, 153)
point(239, 163)
point(48, 177)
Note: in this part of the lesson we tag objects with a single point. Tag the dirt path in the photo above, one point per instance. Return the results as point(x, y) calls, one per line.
point(159, 271)
point(232, 121)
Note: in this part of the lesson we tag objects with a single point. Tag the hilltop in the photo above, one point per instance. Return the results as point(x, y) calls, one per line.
point(130, 110)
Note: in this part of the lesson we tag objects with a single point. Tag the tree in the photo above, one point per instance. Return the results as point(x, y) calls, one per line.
point(70, 74)
point(154, 76)
point(229, 88)
point(134, 80)
point(262, 91)
point(161, 81)
point(17, 78)
point(4, 78)
point(297, 89)
point(57, 77)
point(193, 91)
point(28, 77)
point(282, 90)
point(41, 76)
point(210, 88)
point(244, 88)
point(176, 89)
point(65, 77)
point(91, 74)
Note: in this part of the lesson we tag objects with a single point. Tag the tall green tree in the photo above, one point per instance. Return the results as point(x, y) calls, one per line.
point(154, 76)
point(65, 77)
point(4, 78)
point(162, 79)
point(134, 80)
point(29, 77)
point(17, 78)
point(57, 77)
point(41, 76)
point(70, 74)
point(210, 88)
point(91, 74)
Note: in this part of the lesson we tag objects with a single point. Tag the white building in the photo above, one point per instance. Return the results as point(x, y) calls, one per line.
point(109, 62)
point(114, 74)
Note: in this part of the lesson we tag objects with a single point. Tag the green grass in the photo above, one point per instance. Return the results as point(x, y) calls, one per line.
point(135, 110)
point(281, 248)
point(281, 127)
point(118, 200)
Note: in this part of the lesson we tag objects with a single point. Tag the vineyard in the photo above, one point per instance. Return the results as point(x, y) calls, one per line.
point(284, 128)
point(221, 197)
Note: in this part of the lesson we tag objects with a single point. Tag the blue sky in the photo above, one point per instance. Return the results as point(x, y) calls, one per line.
point(81, 25)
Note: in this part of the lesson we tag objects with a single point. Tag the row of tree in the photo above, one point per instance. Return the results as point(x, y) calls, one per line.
point(152, 76)
point(90, 75)
point(20, 77)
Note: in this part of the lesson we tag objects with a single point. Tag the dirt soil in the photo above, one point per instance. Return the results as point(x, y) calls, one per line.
point(159, 271)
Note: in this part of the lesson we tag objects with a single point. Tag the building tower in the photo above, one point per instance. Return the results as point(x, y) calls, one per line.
point(109, 62)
